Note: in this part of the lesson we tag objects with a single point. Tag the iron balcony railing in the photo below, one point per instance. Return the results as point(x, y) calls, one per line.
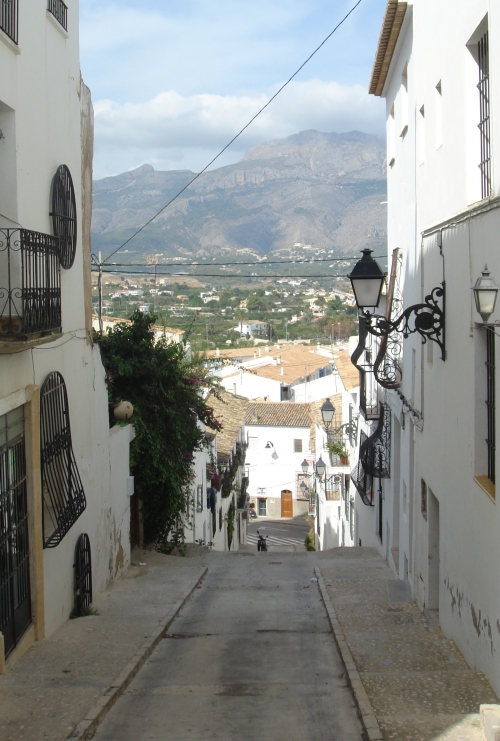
point(60, 12)
point(9, 18)
point(30, 285)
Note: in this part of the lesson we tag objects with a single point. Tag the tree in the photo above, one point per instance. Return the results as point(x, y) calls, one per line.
point(165, 389)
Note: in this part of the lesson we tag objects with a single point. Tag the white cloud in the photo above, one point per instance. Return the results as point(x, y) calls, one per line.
point(174, 130)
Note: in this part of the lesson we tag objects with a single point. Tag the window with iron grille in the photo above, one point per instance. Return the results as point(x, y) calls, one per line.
point(423, 498)
point(83, 576)
point(9, 18)
point(63, 496)
point(297, 446)
point(15, 603)
point(484, 113)
point(60, 12)
point(490, 401)
point(199, 498)
point(64, 222)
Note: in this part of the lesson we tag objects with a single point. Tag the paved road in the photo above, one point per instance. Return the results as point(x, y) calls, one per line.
point(249, 658)
point(279, 532)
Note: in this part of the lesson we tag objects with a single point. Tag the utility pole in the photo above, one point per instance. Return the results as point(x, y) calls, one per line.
point(99, 288)
point(153, 260)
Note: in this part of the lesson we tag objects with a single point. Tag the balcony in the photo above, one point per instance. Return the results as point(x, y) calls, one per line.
point(30, 285)
point(60, 12)
point(9, 18)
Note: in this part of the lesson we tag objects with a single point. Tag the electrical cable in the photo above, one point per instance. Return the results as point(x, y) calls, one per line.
point(191, 264)
point(239, 132)
point(218, 275)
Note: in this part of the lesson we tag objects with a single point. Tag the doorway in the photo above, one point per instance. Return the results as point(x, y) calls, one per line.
point(433, 551)
point(15, 599)
point(286, 503)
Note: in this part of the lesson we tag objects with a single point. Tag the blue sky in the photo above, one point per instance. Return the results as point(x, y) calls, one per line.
point(173, 82)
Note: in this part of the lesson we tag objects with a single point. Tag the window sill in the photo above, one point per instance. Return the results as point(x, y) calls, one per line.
point(8, 42)
point(486, 485)
point(56, 23)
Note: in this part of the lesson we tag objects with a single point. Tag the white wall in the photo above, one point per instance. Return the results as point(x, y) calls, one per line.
point(276, 468)
point(433, 185)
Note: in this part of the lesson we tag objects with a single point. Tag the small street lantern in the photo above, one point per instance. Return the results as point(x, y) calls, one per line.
point(320, 468)
point(327, 412)
point(304, 488)
point(485, 294)
point(367, 279)
point(305, 466)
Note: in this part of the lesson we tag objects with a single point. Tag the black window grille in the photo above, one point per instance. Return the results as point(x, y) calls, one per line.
point(15, 604)
point(297, 446)
point(490, 401)
point(332, 487)
point(60, 12)
point(303, 492)
point(63, 496)
point(64, 223)
point(423, 498)
point(484, 114)
point(30, 285)
point(9, 18)
point(199, 498)
point(83, 575)
point(220, 519)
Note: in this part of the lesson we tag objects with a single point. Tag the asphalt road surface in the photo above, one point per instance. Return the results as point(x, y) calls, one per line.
point(289, 534)
point(250, 657)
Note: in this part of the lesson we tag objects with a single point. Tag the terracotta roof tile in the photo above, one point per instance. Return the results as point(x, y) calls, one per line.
point(278, 414)
point(231, 412)
point(348, 372)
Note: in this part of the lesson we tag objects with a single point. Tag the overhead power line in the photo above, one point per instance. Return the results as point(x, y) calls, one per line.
point(238, 134)
point(261, 263)
point(241, 276)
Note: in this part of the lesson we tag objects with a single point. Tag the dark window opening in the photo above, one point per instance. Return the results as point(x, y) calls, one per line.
point(484, 114)
point(490, 401)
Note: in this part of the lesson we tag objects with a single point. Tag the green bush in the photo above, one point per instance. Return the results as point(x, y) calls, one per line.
point(310, 541)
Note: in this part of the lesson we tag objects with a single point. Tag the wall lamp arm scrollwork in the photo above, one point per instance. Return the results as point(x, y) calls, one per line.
point(427, 318)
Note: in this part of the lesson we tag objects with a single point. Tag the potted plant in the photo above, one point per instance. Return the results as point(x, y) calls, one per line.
point(336, 447)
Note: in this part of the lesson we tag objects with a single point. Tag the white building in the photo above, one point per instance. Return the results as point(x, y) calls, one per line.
point(64, 475)
point(252, 328)
point(279, 437)
point(436, 516)
point(285, 373)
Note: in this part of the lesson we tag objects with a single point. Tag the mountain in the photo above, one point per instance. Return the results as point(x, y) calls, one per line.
point(312, 190)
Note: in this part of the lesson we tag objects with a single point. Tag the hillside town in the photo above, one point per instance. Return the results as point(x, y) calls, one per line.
point(260, 502)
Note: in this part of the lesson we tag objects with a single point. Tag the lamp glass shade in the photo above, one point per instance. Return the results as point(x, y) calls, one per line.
point(305, 466)
point(327, 412)
point(303, 487)
point(320, 468)
point(485, 294)
point(367, 279)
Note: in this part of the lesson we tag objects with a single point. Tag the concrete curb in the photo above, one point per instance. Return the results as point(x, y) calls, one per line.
point(88, 726)
point(370, 723)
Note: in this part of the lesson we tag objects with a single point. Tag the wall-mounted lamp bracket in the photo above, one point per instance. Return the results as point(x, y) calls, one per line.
point(428, 319)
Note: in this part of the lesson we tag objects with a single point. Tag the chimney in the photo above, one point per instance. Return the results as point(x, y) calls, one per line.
point(255, 354)
point(282, 371)
point(278, 359)
point(267, 348)
point(217, 352)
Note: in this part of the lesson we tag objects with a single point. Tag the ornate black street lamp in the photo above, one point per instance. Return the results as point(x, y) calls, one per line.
point(305, 467)
point(485, 294)
point(320, 468)
point(426, 318)
point(327, 411)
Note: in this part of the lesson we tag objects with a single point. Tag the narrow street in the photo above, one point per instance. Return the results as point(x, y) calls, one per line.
point(289, 534)
point(250, 656)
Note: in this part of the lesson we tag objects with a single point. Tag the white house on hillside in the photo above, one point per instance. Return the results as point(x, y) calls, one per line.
point(252, 328)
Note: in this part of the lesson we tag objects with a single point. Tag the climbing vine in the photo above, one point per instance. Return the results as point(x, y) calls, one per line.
point(165, 389)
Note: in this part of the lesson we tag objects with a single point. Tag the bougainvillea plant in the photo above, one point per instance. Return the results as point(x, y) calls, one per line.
point(165, 388)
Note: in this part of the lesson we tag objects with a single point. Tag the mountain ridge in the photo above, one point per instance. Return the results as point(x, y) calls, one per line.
point(311, 190)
